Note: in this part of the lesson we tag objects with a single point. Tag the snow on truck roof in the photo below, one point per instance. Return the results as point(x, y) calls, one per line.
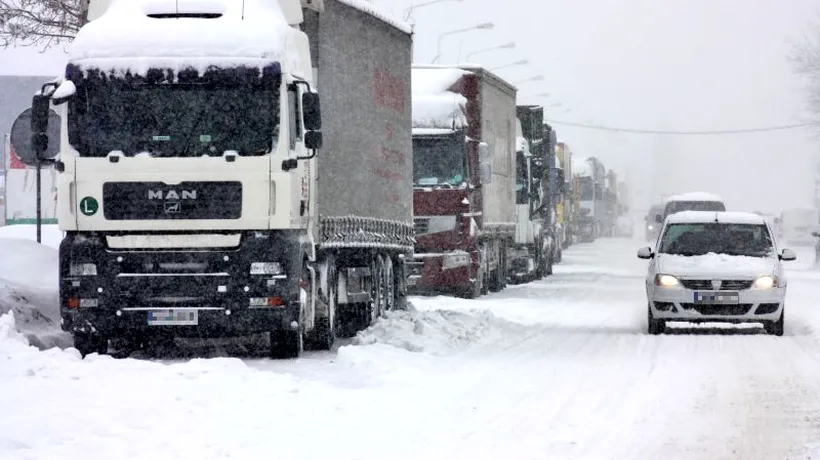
point(724, 217)
point(434, 106)
point(695, 196)
point(126, 38)
point(374, 11)
point(581, 167)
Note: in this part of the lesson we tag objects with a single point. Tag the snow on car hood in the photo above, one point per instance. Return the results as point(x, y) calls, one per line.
point(715, 266)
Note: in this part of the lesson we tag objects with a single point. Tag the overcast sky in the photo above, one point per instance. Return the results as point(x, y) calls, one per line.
point(647, 64)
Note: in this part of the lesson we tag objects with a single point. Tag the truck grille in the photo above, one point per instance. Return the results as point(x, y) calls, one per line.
point(421, 225)
point(159, 201)
point(725, 285)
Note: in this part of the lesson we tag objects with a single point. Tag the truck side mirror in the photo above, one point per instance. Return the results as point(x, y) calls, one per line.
point(658, 219)
point(313, 140)
point(311, 112)
point(40, 106)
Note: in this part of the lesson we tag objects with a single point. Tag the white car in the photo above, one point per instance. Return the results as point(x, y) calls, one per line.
point(716, 267)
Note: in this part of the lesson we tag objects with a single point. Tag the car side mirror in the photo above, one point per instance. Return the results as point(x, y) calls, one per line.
point(313, 140)
point(311, 111)
point(815, 234)
point(658, 219)
point(645, 253)
point(787, 255)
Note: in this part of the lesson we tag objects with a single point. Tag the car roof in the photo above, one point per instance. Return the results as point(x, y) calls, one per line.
point(726, 217)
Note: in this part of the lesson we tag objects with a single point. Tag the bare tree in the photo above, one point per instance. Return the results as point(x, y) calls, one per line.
point(40, 22)
point(805, 58)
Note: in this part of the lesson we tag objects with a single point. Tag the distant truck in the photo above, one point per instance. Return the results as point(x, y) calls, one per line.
point(590, 174)
point(532, 255)
point(197, 193)
point(796, 226)
point(464, 180)
point(692, 201)
point(566, 205)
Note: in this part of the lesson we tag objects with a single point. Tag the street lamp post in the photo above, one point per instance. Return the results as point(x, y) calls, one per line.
point(482, 26)
point(535, 78)
point(509, 46)
point(409, 11)
point(521, 62)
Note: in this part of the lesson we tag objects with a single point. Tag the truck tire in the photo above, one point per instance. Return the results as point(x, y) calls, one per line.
point(287, 343)
point(324, 331)
point(87, 343)
point(388, 285)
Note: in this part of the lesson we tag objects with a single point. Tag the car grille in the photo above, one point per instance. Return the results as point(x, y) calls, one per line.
point(723, 310)
point(725, 285)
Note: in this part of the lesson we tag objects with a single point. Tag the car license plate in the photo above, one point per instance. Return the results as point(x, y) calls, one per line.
point(173, 318)
point(719, 297)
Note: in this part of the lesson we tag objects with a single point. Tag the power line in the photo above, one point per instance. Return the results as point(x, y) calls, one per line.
point(686, 133)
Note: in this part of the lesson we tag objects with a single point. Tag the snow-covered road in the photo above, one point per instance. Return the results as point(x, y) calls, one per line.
point(558, 369)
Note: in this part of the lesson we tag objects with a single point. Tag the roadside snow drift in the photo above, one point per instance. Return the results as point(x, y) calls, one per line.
point(28, 284)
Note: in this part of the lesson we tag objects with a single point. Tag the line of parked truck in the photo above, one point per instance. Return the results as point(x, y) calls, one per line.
point(205, 191)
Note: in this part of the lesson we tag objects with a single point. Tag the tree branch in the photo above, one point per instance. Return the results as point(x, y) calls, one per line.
point(42, 23)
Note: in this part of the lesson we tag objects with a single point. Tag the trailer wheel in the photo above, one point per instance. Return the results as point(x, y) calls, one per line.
point(376, 292)
point(324, 332)
point(389, 285)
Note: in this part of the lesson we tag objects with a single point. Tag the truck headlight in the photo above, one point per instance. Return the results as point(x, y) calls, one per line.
point(85, 269)
point(455, 260)
point(266, 268)
point(666, 281)
point(765, 282)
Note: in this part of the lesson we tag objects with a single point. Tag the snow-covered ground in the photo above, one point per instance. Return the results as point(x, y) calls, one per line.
point(556, 369)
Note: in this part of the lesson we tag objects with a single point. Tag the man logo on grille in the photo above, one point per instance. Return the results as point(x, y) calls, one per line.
point(172, 207)
point(716, 284)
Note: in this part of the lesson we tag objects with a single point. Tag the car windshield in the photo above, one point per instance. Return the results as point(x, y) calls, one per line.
point(695, 239)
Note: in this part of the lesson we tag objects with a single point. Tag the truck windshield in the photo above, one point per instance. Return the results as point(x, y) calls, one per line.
point(695, 239)
point(439, 160)
point(163, 116)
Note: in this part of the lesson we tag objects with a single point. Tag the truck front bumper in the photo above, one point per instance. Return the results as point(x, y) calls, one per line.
point(202, 292)
point(432, 273)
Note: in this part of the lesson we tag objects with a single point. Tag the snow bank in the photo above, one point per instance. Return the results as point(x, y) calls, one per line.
point(125, 38)
point(28, 289)
point(441, 331)
point(434, 105)
point(52, 235)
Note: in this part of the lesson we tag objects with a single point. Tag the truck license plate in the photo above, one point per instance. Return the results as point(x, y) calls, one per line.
point(173, 318)
point(720, 297)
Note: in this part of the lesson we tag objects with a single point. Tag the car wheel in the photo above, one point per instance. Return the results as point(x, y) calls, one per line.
point(655, 326)
point(776, 327)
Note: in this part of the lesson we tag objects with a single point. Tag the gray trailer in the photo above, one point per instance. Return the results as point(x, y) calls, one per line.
point(365, 169)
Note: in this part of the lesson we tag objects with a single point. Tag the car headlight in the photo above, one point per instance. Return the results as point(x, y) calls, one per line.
point(266, 268)
point(651, 227)
point(765, 282)
point(666, 281)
